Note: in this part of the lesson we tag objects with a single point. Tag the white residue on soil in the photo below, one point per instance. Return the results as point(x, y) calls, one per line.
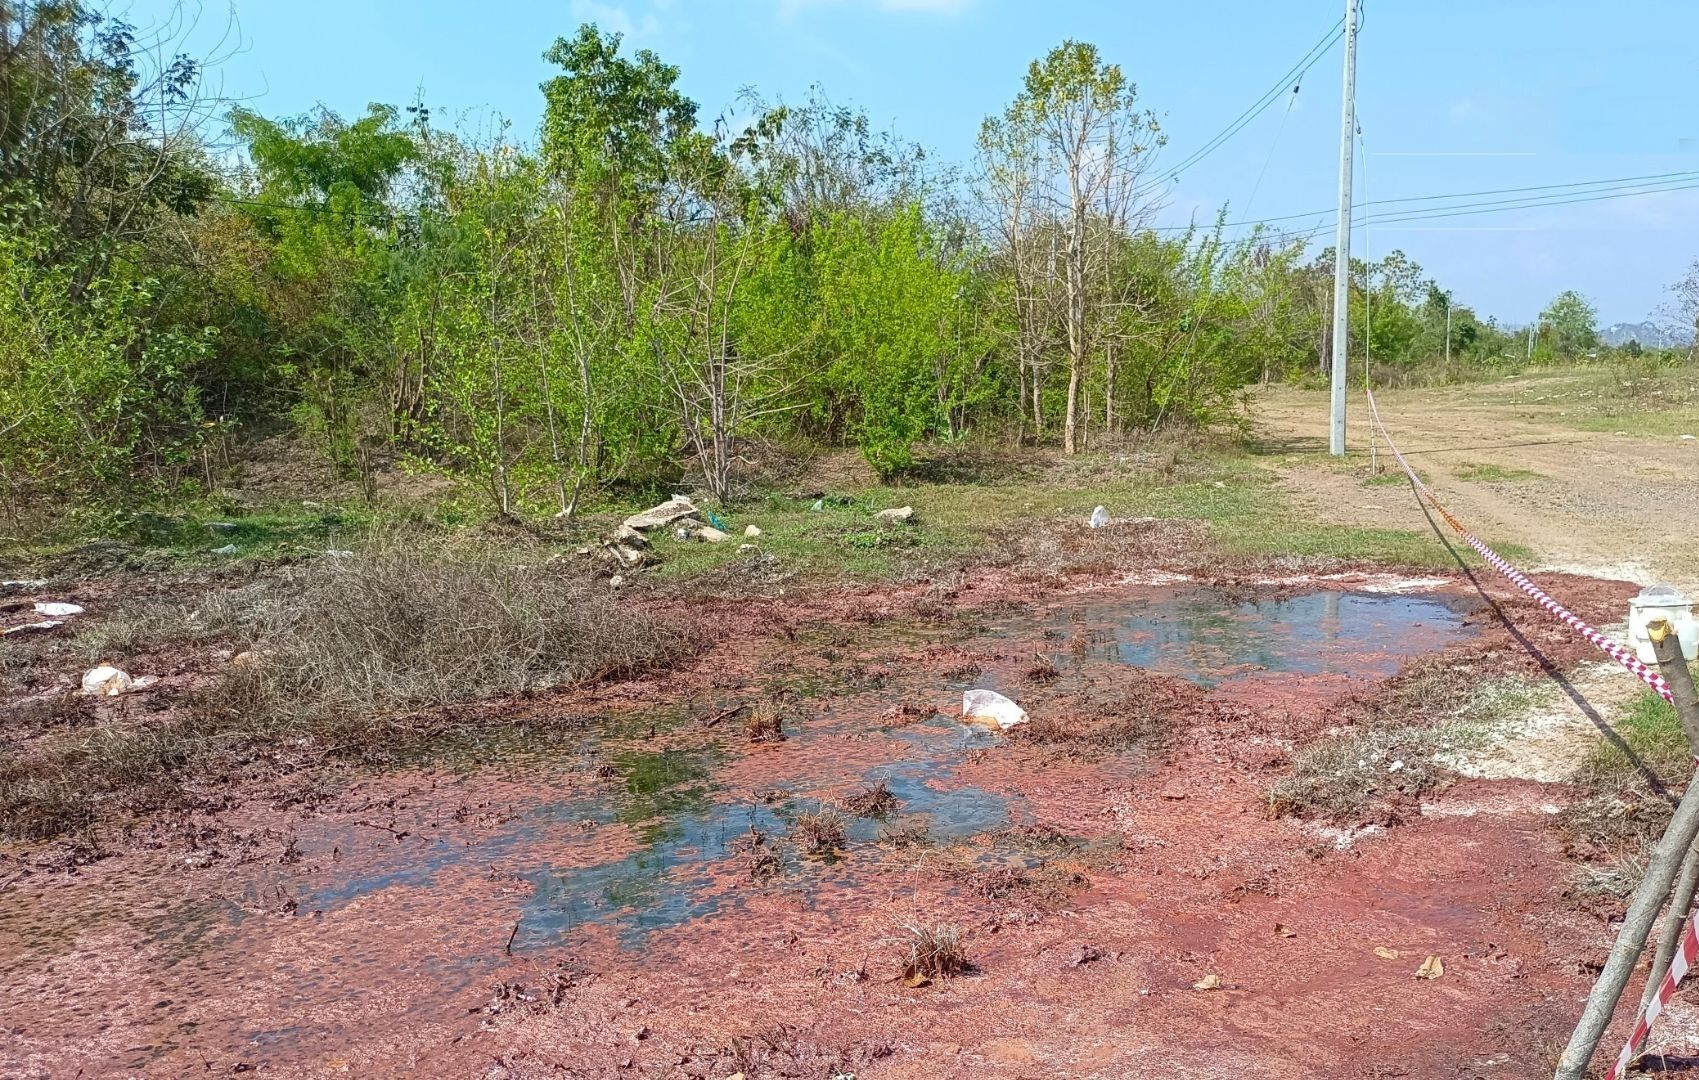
point(1547, 742)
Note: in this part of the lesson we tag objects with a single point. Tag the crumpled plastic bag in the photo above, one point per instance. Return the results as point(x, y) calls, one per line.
point(990, 705)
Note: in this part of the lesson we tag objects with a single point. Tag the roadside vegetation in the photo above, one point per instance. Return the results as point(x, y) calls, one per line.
point(629, 301)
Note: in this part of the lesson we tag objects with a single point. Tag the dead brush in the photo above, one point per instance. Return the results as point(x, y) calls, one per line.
point(765, 723)
point(907, 833)
point(762, 862)
point(935, 951)
point(876, 801)
point(1088, 733)
point(820, 831)
point(1042, 672)
point(414, 623)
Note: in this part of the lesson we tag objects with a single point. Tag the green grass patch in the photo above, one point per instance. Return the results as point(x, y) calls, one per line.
point(1647, 425)
point(1652, 731)
point(1236, 495)
point(1488, 473)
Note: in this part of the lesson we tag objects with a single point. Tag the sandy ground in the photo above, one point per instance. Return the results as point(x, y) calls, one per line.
point(1601, 504)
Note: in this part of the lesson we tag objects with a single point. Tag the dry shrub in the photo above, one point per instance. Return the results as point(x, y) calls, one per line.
point(421, 623)
point(765, 723)
point(819, 831)
point(907, 833)
point(876, 801)
point(1042, 672)
point(935, 951)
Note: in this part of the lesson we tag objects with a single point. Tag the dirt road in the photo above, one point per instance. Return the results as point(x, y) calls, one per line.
point(1592, 503)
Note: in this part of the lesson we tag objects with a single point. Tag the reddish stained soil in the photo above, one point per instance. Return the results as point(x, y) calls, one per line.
point(234, 941)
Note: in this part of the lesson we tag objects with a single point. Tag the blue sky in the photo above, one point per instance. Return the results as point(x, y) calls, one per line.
point(1453, 97)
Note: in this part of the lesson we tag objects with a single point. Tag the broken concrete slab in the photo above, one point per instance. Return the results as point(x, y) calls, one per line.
point(659, 517)
point(902, 515)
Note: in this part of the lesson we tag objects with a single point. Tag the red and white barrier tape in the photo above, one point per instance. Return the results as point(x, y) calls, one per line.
point(1684, 958)
point(1688, 952)
point(1616, 652)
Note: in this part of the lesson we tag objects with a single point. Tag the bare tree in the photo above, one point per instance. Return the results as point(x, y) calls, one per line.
point(1091, 144)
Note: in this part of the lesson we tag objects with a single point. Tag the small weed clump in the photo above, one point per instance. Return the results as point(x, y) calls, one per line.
point(906, 833)
point(876, 801)
point(764, 723)
point(935, 951)
point(819, 831)
point(1392, 758)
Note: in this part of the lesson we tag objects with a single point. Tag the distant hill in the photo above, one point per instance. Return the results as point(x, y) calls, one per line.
point(1646, 333)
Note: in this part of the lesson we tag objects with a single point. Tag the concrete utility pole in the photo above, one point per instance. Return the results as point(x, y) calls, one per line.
point(1530, 341)
point(1448, 330)
point(1342, 237)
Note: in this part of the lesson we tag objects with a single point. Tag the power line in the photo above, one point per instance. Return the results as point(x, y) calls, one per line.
point(1449, 212)
point(1615, 187)
point(1269, 97)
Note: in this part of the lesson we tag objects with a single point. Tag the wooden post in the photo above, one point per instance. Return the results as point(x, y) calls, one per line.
point(1673, 666)
point(1661, 871)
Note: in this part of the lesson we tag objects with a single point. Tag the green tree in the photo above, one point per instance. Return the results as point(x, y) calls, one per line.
point(1570, 325)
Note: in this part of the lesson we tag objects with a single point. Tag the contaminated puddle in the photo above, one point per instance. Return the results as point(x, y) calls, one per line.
point(1213, 637)
point(642, 831)
point(665, 834)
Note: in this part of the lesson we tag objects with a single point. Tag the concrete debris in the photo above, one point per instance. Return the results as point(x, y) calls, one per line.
point(57, 610)
point(227, 549)
point(34, 627)
point(630, 556)
point(902, 515)
point(711, 534)
point(616, 581)
point(747, 549)
point(659, 517)
point(7, 588)
point(751, 531)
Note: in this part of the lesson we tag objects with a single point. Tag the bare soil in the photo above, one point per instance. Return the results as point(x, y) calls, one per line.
point(1128, 906)
point(1598, 503)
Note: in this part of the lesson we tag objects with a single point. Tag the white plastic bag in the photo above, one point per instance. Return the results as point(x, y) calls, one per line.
point(56, 609)
point(106, 681)
point(991, 705)
point(1099, 518)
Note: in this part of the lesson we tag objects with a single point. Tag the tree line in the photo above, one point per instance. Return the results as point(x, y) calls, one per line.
point(636, 294)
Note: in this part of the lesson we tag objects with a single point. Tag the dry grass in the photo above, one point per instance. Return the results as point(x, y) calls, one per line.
point(820, 831)
point(876, 801)
point(935, 951)
point(352, 657)
point(403, 626)
point(765, 723)
point(906, 833)
point(1386, 762)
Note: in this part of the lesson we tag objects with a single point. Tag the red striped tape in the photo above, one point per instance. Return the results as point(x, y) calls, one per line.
point(1688, 953)
point(1516, 577)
